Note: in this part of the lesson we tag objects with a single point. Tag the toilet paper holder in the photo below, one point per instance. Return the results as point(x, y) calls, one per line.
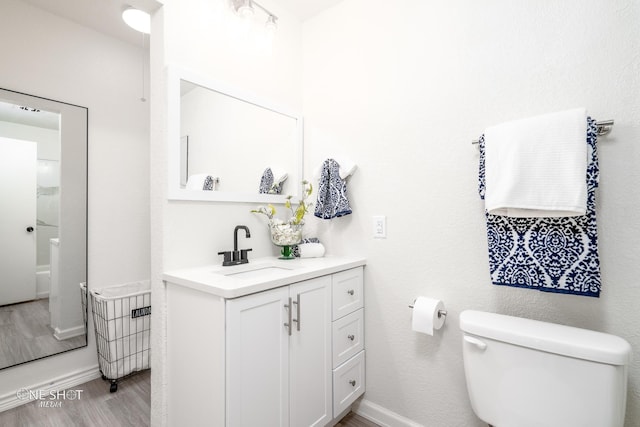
point(441, 313)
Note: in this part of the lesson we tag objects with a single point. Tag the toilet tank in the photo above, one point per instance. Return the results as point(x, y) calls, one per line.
point(527, 373)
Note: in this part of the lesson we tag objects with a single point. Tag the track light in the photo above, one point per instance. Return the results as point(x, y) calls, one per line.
point(246, 9)
point(271, 24)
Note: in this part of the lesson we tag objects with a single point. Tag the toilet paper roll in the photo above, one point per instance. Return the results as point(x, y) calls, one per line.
point(425, 315)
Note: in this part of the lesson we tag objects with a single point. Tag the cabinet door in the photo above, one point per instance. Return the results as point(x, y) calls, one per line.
point(310, 353)
point(258, 360)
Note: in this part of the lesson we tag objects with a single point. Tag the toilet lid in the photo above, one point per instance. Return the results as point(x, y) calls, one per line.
point(549, 337)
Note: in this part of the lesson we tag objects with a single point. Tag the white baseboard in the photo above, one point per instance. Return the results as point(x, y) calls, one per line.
point(42, 294)
point(381, 416)
point(11, 400)
point(43, 283)
point(64, 334)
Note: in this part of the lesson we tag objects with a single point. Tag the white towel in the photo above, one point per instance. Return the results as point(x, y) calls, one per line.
point(311, 250)
point(537, 167)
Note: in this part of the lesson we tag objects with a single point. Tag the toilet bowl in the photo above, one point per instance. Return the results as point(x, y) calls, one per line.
point(527, 373)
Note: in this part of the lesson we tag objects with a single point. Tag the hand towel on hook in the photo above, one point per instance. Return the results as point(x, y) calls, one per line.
point(535, 167)
point(272, 181)
point(332, 192)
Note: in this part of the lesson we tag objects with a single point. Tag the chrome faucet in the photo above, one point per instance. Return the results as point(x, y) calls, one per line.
point(236, 256)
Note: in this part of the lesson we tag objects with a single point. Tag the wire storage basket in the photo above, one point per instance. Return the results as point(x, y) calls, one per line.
point(122, 323)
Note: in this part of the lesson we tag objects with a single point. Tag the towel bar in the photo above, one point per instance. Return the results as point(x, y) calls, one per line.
point(603, 128)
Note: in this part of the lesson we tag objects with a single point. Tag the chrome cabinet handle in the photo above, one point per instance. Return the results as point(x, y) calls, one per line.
point(288, 307)
point(350, 291)
point(351, 337)
point(297, 303)
point(353, 383)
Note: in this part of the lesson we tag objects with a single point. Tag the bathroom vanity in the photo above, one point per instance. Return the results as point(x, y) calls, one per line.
point(270, 343)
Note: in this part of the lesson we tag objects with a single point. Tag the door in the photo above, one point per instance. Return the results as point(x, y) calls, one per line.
point(18, 189)
point(310, 353)
point(258, 360)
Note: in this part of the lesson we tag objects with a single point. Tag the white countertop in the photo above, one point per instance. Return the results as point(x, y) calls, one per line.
point(258, 275)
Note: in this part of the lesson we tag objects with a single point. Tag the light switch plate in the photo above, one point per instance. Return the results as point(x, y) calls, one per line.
point(379, 227)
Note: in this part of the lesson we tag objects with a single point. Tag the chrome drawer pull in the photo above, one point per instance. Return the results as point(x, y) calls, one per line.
point(351, 292)
point(288, 307)
point(351, 337)
point(297, 304)
point(353, 383)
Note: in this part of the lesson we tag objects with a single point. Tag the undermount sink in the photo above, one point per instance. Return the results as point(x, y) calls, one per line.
point(249, 271)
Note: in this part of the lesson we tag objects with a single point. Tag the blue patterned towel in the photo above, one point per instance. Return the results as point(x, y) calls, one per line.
point(332, 192)
point(208, 183)
point(267, 183)
point(548, 254)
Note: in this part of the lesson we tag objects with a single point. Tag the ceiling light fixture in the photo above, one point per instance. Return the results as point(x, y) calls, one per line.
point(245, 8)
point(137, 19)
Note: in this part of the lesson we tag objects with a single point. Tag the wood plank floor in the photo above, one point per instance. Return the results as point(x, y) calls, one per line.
point(353, 420)
point(25, 333)
point(97, 407)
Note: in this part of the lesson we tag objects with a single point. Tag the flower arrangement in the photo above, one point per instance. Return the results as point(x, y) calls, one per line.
point(289, 232)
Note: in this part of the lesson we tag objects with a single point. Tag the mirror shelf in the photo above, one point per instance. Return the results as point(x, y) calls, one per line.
point(220, 131)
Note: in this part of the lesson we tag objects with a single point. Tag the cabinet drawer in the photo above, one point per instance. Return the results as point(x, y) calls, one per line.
point(348, 336)
point(347, 292)
point(348, 383)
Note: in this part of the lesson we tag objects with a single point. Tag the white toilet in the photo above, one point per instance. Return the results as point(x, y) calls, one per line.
point(526, 373)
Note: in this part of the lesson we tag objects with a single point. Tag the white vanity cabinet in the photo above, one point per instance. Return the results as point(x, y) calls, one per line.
point(279, 356)
point(285, 356)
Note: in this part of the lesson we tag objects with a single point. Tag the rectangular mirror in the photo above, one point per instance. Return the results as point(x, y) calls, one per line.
point(228, 145)
point(43, 227)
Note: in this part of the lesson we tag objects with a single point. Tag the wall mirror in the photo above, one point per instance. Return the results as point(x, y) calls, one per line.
point(228, 145)
point(43, 227)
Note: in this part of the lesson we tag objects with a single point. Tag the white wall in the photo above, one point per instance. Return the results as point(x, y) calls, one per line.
point(195, 232)
point(48, 139)
point(204, 37)
point(403, 88)
point(54, 58)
